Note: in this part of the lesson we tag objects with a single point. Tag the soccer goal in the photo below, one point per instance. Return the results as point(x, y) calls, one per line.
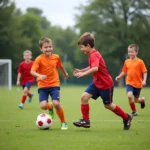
point(5, 73)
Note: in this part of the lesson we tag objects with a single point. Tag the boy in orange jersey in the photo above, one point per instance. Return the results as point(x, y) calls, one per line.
point(101, 86)
point(136, 78)
point(45, 69)
point(25, 77)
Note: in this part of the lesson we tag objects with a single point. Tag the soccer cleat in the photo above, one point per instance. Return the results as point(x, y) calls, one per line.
point(64, 126)
point(82, 123)
point(134, 113)
point(51, 112)
point(127, 123)
point(30, 98)
point(21, 106)
point(143, 103)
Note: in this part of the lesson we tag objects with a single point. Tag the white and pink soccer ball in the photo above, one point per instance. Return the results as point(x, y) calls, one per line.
point(44, 121)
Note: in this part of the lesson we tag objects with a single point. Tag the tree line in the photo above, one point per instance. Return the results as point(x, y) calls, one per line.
point(115, 24)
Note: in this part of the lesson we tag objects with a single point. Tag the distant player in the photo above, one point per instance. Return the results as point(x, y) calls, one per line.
point(136, 73)
point(101, 86)
point(45, 69)
point(25, 78)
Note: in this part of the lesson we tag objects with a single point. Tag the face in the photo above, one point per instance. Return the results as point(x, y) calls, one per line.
point(27, 56)
point(85, 49)
point(132, 52)
point(47, 49)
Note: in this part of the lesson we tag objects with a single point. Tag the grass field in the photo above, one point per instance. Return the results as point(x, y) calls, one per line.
point(19, 132)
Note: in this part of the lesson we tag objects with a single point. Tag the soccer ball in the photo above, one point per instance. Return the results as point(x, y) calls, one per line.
point(44, 121)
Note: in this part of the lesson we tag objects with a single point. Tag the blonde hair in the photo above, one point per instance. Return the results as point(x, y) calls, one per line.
point(134, 46)
point(27, 51)
point(44, 40)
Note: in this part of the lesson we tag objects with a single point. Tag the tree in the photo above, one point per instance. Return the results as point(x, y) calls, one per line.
point(45, 24)
point(12, 43)
point(115, 24)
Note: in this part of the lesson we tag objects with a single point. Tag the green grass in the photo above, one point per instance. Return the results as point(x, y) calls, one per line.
point(19, 132)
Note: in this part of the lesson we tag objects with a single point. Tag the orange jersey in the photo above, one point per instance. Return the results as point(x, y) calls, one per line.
point(47, 66)
point(134, 70)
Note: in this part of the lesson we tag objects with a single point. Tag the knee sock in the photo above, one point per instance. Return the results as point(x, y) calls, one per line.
point(29, 94)
point(49, 106)
point(118, 111)
point(61, 115)
point(133, 107)
point(23, 99)
point(85, 111)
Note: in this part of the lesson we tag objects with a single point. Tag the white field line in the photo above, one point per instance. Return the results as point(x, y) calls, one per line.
point(75, 120)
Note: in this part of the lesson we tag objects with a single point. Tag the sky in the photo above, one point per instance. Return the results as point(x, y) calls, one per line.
point(58, 12)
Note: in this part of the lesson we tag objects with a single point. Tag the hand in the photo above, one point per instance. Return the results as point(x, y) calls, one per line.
point(66, 75)
point(76, 71)
point(117, 78)
point(18, 83)
point(79, 74)
point(43, 77)
point(143, 83)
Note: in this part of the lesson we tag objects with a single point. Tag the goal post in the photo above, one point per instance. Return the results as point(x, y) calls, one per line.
point(6, 73)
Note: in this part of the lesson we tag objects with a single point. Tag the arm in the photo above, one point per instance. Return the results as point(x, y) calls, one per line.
point(35, 74)
point(64, 72)
point(87, 72)
point(122, 74)
point(82, 70)
point(18, 78)
point(144, 78)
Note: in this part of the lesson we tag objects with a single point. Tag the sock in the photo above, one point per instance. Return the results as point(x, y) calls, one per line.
point(29, 94)
point(61, 115)
point(49, 106)
point(142, 100)
point(23, 99)
point(118, 111)
point(85, 111)
point(133, 108)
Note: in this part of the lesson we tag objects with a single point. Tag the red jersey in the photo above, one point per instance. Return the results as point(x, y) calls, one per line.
point(101, 78)
point(24, 69)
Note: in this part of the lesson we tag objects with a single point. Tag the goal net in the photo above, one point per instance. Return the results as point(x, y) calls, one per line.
point(5, 73)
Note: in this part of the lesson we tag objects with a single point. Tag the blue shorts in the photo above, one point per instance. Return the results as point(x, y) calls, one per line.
point(106, 95)
point(28, 85)
point(44, 93)
point(135, 91)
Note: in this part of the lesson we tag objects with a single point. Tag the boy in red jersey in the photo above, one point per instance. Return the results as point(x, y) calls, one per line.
point(25, 77)
point(101, 86)
point(45, 69)
point(136, 78)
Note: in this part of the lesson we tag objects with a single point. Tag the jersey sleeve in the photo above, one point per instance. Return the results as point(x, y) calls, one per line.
point(35, 65)
point(94, 61)
point(124, 68)
point(20, 68)
point(59, 63)
point(143, 67)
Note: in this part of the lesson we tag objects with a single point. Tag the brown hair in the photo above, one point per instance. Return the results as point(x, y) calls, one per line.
point(27, 51)
point(87, 38)
point(134, 46)
point(44, 40)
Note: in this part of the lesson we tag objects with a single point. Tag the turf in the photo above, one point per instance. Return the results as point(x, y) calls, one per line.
point(19, 132)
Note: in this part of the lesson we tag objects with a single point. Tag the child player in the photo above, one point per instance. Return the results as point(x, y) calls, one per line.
point(25, 78)
point(45, 69)
point(101, 86)
point(136, 73)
